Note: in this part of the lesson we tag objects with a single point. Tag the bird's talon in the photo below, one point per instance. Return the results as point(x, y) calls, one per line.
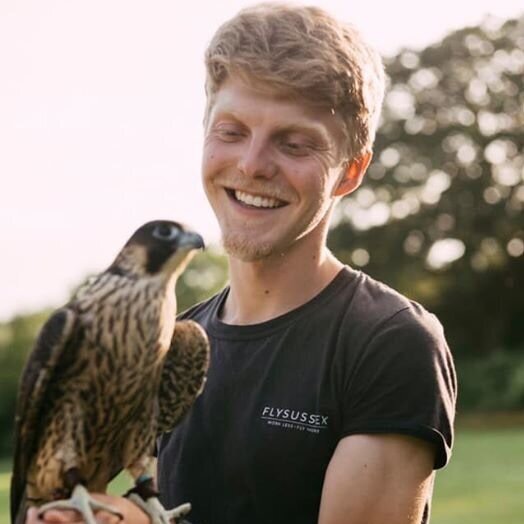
point(82, 502)
point(157, 513)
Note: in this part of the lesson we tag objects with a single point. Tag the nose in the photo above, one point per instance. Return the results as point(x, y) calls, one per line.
point(256, 159)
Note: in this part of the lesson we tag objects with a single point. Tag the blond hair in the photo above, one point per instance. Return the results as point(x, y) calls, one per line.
point(303, 52)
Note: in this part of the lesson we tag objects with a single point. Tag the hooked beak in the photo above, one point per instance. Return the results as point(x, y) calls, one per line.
point(191, 240)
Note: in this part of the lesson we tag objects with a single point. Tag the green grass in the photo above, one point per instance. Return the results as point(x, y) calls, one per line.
point(484, 480)
point(4, 491)
point(482, 484)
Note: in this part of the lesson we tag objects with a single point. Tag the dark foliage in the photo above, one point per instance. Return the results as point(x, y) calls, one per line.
point(440, 215)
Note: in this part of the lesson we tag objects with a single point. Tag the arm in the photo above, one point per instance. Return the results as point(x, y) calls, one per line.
point(372, 479)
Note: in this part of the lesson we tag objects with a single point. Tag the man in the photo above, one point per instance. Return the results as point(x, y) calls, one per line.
point(330, 397)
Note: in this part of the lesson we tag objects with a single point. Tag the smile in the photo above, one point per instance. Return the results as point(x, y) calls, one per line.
point(258, 201)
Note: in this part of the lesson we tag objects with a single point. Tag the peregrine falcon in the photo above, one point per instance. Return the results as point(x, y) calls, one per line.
point(108, 373)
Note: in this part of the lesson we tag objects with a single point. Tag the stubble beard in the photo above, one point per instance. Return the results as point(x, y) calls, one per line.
point(245, 249)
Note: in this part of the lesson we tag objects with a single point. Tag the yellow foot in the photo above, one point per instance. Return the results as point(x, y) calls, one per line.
point(82, 502)
point(157, 513)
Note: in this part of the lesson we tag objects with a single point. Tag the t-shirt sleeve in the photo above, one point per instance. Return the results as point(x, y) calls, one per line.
point(404, 382)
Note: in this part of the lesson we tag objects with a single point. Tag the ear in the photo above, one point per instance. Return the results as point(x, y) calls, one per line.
point(353, 174)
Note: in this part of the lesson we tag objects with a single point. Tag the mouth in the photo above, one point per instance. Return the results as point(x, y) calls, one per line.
point(255, 201)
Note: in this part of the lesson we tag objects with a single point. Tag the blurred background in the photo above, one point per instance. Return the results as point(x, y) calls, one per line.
point(100, 130)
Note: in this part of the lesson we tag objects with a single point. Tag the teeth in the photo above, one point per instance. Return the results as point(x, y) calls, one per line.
point(257, 201)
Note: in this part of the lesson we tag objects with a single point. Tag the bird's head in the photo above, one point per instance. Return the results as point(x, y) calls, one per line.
point(158, 247)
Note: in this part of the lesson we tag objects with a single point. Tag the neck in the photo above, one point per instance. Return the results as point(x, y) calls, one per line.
point(267, 288)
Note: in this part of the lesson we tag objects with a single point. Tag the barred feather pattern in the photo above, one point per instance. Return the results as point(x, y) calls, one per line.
point(183, 374)
point(88, 400)
point(103, 406)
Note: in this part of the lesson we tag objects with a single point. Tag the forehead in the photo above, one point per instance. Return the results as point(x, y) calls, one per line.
point(256, 103)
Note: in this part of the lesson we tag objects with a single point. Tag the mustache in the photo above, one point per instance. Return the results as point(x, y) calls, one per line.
point(257, 188)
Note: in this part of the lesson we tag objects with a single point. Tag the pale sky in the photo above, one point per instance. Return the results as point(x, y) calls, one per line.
point(100, 122)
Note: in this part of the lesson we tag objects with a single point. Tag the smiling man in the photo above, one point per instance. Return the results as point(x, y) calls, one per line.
point(330, 397)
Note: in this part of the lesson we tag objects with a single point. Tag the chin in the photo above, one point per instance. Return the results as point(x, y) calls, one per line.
point(246, 250)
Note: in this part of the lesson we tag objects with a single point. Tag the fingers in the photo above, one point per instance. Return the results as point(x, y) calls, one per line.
point(68, 517)
point(31, 517)
point(53, 517)
point(103, 517)
point(132, 514)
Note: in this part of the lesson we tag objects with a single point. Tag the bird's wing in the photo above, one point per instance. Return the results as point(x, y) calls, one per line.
point(184, 373)
point(39, 369)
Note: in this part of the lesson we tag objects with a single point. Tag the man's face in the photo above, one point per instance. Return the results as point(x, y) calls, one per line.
point(270, 167)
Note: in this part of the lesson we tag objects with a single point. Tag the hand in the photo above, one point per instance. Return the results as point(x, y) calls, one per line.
point(131, 512)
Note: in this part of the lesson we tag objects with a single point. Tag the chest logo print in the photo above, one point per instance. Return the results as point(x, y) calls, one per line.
point(294, 419)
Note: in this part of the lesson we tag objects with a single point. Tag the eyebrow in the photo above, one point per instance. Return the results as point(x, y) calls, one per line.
point(305, 128)
point(316, 132)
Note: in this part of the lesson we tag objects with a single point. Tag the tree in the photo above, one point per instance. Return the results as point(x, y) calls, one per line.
point(440, 215)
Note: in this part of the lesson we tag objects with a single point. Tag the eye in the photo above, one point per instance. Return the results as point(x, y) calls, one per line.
point(165, 232)
point(229, 132)
point(295, 148)
point(295, 143)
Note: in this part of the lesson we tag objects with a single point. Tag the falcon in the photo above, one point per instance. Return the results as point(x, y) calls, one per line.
point(108, 373)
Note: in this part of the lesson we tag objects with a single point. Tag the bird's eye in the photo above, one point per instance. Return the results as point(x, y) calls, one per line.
point(165, 232)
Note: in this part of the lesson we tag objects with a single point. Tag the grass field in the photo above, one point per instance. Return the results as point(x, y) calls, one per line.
point(484, 480)
point(482, 485)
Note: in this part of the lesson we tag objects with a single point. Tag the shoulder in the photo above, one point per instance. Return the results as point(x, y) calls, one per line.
point(385, 338)
point(376, 301)
point(375, 307)
point(398, 374)
point(203, 311)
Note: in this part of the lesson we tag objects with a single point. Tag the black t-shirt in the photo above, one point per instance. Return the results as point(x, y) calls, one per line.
point(357, 358)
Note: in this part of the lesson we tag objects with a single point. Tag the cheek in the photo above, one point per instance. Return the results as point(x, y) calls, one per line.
point(310, 182)
point(208, 156)
point(209, 164)
point(213, 159)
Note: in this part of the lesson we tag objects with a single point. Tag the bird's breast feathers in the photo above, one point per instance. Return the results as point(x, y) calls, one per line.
point(129, 319)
